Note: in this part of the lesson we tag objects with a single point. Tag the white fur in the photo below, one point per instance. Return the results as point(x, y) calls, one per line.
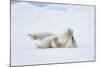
point(56, 40)
point(37, 36)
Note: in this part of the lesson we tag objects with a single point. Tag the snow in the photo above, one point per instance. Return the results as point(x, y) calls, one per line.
point(28, 18)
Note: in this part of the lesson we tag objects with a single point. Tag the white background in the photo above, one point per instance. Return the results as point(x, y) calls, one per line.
point(5, 32)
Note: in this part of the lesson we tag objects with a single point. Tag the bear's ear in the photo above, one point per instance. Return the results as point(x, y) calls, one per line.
point(68, 32)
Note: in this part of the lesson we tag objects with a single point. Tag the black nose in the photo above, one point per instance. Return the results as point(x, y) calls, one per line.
point(72, 37)
point(73, 40)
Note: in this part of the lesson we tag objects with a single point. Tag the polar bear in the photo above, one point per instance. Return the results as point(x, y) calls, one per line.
point(48, 40)
point(59, 41)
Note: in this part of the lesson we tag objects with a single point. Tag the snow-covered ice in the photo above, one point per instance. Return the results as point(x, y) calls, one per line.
point(28, 18)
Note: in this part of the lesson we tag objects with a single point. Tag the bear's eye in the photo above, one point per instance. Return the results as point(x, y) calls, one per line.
point(72, 37)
